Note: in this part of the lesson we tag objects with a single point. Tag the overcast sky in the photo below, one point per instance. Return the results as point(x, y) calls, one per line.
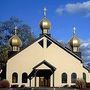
point(63, 15)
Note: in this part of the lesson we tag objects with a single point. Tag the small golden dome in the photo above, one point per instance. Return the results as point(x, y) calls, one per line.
point(15, 41)
point(74, 42)
point(45, 24)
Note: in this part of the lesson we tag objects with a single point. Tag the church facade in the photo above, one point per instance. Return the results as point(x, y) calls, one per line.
point(46, 62)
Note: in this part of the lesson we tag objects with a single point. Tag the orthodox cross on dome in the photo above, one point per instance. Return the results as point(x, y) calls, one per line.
point(45, 11)
point(74, 30)
point(16, 30)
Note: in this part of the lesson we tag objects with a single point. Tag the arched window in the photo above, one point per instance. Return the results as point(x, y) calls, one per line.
point(14, 77)
point(64, 78)
point(73, 77)
point(24, 77)
point(84, 76)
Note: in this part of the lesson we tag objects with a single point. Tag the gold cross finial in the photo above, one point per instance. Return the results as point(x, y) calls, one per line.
point(74, 30)
point(45, 12)
point(15, 30)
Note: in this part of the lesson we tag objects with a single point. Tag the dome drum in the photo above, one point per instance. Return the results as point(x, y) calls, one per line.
point(15, 48)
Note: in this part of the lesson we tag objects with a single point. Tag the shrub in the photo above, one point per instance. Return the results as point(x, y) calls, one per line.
point(66, 85)
point(14, 86)
point(22, 86)
point(80, 83)
point(88, 85)
point(73, 86)
point(4, 84)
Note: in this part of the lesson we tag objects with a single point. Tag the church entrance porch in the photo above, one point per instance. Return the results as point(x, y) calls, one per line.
point(43, 74)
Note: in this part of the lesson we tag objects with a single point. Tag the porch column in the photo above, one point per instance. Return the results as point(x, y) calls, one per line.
point(30, 82)
point(35, 79)
point(53, 79)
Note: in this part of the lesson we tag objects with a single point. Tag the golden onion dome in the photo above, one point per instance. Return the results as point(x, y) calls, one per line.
point(15, 41)
point(45, 24)
point(74, 42)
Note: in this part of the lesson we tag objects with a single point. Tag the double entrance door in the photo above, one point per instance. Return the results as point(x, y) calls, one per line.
point(44, 81)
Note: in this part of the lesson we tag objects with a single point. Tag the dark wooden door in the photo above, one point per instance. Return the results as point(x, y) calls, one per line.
point(41, 81)
point(47, 82)
point(44, 82)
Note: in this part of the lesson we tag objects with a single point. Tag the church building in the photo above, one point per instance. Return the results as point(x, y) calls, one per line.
point(46, 62)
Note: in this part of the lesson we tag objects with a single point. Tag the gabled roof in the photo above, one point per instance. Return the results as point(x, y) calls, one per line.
point(42, 72)
point(58, 44)
point(63, 47)
point(47, 64)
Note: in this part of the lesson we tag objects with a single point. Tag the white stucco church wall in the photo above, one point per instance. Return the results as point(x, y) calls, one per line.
point(34, 54)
